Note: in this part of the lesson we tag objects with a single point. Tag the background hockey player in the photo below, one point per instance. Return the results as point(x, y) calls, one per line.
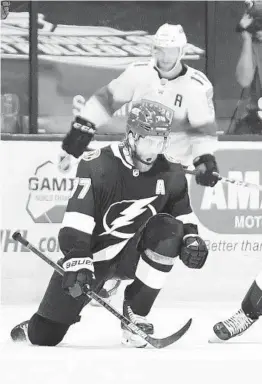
point(251, 310)
point(166, 79)
point(121, 221)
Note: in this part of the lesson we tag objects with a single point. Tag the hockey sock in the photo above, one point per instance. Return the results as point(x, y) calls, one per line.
point(141, 297)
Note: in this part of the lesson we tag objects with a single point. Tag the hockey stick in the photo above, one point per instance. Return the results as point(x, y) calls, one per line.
point(227, 180)
point(157, 343)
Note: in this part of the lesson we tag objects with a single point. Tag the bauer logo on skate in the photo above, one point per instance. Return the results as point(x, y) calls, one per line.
point(228, 208)
point(49, 191)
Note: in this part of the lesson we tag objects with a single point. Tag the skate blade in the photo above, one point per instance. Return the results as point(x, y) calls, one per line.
point(132, 341)
point(214, 339)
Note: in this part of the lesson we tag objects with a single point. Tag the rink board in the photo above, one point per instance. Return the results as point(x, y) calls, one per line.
point(38, 180)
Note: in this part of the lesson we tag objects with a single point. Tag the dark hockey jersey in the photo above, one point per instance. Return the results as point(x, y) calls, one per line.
point(112, 199)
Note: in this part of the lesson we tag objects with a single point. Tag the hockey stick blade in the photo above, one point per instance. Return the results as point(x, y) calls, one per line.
point(157, 343)
point(166, 341)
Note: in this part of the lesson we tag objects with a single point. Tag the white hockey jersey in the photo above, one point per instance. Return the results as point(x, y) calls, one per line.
point(190, 95)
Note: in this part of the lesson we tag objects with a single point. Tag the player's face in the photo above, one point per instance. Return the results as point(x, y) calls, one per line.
point(149, 147)
point(166, 58)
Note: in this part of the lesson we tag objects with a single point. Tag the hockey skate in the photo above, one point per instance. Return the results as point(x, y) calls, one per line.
point(20, 332)
point(129, 338)
point(233, 326)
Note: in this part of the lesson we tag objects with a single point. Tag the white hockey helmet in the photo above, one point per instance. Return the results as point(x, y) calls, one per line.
point(169, 36)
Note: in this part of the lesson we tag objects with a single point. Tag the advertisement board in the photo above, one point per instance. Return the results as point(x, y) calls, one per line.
point(38, 182)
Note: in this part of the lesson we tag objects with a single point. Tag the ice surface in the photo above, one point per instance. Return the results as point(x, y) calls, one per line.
point(91, 351)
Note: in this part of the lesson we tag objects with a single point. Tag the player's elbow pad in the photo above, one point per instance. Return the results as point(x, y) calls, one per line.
point(74, 243)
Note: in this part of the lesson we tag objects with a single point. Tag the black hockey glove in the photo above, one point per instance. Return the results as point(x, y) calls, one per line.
point(78, 273)
point(205, 165)
point(78, 138)
point(193, 251)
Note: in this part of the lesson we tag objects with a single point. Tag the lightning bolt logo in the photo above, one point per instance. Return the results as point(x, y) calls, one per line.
point(133, 211)
point(127, 216)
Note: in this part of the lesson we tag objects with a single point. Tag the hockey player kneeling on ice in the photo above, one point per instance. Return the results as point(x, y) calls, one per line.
point(121, 222)
point(167, 79)
point(247, 315)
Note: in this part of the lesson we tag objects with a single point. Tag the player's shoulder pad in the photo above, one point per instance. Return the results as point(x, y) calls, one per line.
point(174, 166)
point(91, 155)
point(177, 168)
point(100, 157)
point(177, 177)
point(199, 78)
point(88, 162)
point(93, 160)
